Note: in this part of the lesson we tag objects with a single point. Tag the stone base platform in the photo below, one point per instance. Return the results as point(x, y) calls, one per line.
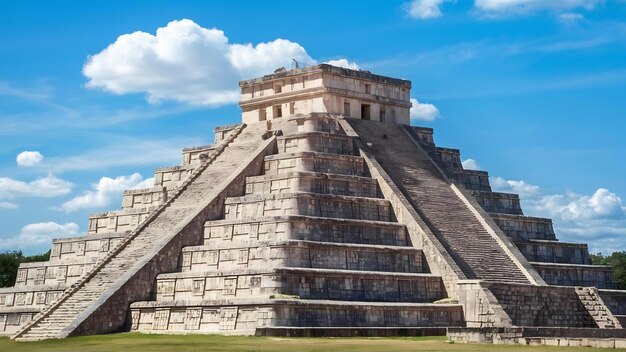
point(288, 331)
point(245, 316)
point(12, 317)
point(537, 336)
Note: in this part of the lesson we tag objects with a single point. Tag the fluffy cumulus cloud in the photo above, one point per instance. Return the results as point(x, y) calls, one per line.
point(105, 191)
point(602, 204)
point(29, 158)
point(34, 235)
point(598, 218)
point(503, 8)
point(470, 164)
point(343, 63)
point(424, 9)
point(186, 62)
point(46, 187)
point(423, 111)
point(523, 188)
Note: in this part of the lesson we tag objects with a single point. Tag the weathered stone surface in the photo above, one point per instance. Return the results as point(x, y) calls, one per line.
point(554, 251)
point(599, 276)
point(94, 305)
point(306, 228)
point(311, 224)
point(467, 240)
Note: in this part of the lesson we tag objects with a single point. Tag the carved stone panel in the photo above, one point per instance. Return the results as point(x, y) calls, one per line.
point(264, 317)
point(230, 285)
point(198, 287)
point(166, 288)
point(21, 275)
point(161, 319)
point(20, 298)
point(40, 298)
point(228, 318)
point(186, 259)
point(135, 314)
point(242, 257)
point(56, 250)
point(80, 248)
point(192, 320)
point(40, 276)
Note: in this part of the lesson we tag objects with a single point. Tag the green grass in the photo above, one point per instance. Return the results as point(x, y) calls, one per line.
point(141, 342)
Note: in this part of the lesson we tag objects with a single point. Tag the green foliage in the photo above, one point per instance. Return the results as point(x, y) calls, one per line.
point(617, 261)
point(10, 261)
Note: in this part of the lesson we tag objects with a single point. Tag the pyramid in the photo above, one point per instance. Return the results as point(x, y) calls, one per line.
point(322, 214)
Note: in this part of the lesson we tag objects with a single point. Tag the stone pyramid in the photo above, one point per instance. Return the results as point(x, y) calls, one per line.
point(322, 214)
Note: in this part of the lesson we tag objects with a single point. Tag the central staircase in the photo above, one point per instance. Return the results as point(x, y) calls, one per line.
point(479, 253)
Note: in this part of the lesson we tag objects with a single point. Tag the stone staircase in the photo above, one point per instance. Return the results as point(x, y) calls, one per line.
point(92, 304)
point(311, 244)
point(478, 253)
point(592, 301)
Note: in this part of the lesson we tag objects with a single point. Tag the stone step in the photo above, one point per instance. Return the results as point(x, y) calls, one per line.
point(315, 141)
point(600, 276)
point(306, 283)
point(89, 248)
point(322, 255)
point(244, 316)
point(142, 198)
point(296, 227)
point(554, 251)
point(524, 228)
point(172, 177)
point(118, 220)
point(314, 162)
point(308, 204)
point(313, 182)
point(498, 202)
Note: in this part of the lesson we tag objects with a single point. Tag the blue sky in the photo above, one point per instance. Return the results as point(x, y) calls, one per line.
point(532, 91)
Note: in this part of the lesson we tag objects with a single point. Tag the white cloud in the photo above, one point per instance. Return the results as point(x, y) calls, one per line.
point(523, 188)
point(598, 219)
point(470, 164)
point(105, 191)
point(187, 63)
point(602, 204)
point(8, 205)
point(424, 9)
point(503, 8)
point(28, 158)
point(570, 18)
point(45, 187)
point(343, 63)
point(423, 111)
point(252, 61)
point(33, 235)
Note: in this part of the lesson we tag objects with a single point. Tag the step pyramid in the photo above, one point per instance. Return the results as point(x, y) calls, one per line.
point(317, 223)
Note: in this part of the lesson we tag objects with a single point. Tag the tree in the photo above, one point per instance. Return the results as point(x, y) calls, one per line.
point(617, 261)
point(10, 261)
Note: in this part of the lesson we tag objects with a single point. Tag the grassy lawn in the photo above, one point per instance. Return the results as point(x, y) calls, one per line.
point(140, 342)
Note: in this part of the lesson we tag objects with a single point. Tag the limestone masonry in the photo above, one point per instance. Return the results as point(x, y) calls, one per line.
point(323, 214)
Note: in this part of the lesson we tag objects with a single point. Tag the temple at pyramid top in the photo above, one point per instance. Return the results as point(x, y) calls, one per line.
point(325, 89)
